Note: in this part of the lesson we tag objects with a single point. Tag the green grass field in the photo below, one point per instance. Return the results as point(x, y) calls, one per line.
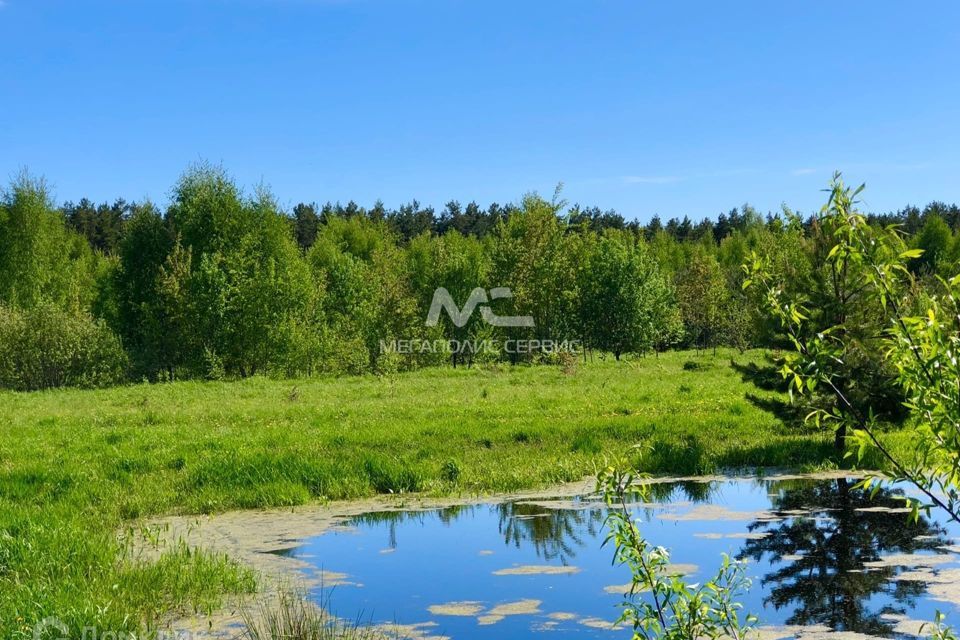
point(76, 466)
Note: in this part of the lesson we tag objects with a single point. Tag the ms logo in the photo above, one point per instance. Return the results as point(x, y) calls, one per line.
point(443, 300)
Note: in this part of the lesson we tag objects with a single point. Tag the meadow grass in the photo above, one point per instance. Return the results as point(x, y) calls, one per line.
point(293, 617)
point(78, 466)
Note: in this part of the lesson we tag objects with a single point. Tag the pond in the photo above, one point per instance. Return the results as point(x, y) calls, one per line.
point(820, 553)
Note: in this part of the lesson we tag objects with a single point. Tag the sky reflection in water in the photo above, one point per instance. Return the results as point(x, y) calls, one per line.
point(816, 552)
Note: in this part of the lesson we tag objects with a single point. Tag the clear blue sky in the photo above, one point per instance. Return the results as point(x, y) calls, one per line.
point(646, 107)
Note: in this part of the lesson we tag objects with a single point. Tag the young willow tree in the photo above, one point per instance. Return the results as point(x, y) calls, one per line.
point(143, 251)
point(919, 340)
point(40, 259)
point(533, 254)
point(367, 294)
point(659, 604)
point(459, 264)
point(704, 300)
point(626, 304)
point(48, 273)
point(217, 286)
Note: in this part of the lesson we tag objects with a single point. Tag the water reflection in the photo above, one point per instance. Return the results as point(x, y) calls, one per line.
point(695, 491)
point(557, 531)
point(822, 553)
point(826, 567)
point(555, 534)
point(395, 520)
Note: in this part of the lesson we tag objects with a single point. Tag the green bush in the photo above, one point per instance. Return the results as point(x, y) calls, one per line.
point(46, 347)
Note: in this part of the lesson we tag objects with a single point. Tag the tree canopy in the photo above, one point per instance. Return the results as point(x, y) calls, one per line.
point(223, 282)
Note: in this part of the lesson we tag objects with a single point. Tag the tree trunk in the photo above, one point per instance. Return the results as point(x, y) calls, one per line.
point(840, 438)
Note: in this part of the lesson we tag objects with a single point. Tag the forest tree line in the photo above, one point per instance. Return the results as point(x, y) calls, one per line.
point(227, 284)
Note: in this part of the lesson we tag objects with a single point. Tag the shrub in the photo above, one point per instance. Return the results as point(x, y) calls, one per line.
point(46, 347)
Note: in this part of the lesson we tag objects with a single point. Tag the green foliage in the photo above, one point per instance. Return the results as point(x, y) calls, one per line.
point(451, 471)
point(102, 225)
point(306, 223)
point(939, 630)
point(246, 282)
point(837, 311)
point(921, 349)
point(40, 259)
point(143, 251)
point(924, 351)
point(225, 284)
point(533, 254)
point(368, 296)
point(935, 241)
point(45, 346)
point(704, 299)
point(219, 281)
point(458, 264)
point(659, 604)
point(208, 210)
point(626, 304)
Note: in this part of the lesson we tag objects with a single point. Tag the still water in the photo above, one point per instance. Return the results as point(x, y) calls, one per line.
point(820, 553)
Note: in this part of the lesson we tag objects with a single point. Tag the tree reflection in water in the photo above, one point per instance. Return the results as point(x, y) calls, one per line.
point(554, 532)
point(822, 556)
point(557, 533)
point(393, 519)
point(818, 557)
